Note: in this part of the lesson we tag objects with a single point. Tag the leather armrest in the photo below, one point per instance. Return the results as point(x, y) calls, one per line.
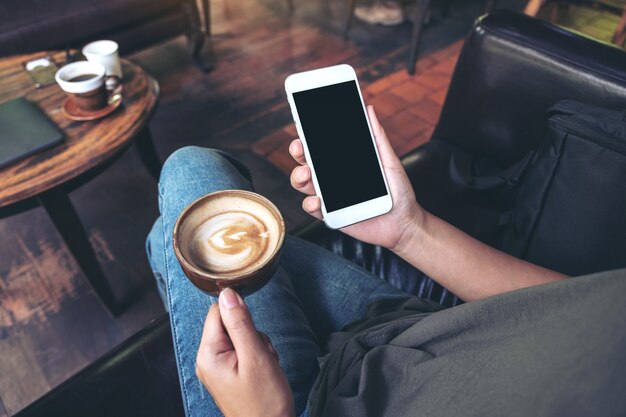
point(511, 69)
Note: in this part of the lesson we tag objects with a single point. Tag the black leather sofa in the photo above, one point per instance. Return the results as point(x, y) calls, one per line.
point(511, 69)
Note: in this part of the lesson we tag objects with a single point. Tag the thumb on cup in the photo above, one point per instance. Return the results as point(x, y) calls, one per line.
point(239, 326)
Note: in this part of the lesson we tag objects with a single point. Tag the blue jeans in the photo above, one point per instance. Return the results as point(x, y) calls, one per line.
point(313, 294)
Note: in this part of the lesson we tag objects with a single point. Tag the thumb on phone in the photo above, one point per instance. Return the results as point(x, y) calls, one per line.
point(239, 326)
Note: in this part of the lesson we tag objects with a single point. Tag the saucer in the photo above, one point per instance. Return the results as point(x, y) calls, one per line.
point(72, 112)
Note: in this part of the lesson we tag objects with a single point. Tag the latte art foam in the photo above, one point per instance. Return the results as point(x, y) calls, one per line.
point(230, 242)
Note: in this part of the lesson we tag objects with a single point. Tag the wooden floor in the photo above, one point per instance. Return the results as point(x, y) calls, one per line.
point(51, 323)
point(407, 106)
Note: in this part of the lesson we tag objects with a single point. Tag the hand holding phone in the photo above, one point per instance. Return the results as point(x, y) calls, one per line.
point(385, 230)
point(338, 144)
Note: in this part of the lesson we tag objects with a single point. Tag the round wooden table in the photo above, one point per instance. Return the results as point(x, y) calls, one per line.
point(47, 177)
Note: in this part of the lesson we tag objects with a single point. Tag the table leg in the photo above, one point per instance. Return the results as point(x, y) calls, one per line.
point(148, 153)
point(64, 216)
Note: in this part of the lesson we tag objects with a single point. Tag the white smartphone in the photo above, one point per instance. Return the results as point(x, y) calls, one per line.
point(339, 146)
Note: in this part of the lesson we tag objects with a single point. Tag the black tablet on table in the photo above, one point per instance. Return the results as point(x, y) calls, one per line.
point(24, 130)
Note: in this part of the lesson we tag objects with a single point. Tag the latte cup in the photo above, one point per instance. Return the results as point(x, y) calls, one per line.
point(229, 239)
point(83, 82)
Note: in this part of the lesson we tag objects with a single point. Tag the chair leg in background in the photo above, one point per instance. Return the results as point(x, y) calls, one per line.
point(421, 7)
point(196, 42)
point(195, 35)
point(206, 9)
point(349, 17)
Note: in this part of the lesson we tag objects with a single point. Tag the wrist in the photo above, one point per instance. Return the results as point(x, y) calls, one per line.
point(413, 235)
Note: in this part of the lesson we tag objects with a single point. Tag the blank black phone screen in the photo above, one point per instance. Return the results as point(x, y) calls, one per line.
point(340, 145)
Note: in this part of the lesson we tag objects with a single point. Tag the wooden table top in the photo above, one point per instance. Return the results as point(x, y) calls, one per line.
point(87, 144)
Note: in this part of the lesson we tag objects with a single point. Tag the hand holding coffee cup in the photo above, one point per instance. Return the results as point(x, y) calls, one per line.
point(229, 238)
point(83, 82)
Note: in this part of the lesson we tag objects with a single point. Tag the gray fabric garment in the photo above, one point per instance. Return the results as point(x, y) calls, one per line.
point(552, 350)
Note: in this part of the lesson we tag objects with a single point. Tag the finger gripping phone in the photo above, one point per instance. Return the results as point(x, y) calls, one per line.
point(339, 146)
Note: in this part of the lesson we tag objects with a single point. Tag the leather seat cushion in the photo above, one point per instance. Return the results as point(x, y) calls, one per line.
point(28, 25)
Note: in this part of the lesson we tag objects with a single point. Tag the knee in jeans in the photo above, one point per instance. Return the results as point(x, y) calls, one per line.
point(188, 162)
point(189, 158)
point(202, 169)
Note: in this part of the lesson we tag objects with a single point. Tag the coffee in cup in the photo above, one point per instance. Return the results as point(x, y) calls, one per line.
point(83, 82)
point(229, 238)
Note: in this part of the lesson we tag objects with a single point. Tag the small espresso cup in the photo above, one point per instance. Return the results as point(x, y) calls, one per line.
point(83, 82)
point(106, 53)
point(229, 239)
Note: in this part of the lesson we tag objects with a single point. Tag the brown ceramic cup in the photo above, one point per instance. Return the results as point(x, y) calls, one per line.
point(229, 239)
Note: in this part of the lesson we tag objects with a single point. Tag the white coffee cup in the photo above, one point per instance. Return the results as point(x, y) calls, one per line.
point(80, 77)
point(106, 53)
point(83, 81)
